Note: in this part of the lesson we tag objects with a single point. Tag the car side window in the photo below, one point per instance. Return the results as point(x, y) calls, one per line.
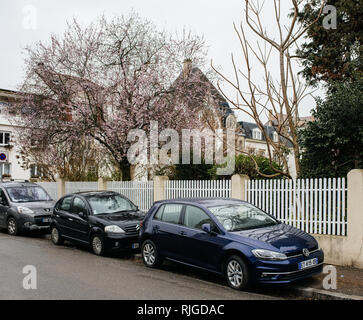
point(170, 213)
point(78, 206)
point(65, 204)
point(3, 200)
point(195, 217)
point(159, 213)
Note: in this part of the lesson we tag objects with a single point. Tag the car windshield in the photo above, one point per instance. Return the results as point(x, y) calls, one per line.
point(108, 204)
point(28, 194)
point(239, 217)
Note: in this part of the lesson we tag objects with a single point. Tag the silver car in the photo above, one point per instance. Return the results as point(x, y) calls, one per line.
point(24, 206)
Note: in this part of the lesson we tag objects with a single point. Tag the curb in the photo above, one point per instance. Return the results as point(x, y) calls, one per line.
point(308, 293)
point(313, 293)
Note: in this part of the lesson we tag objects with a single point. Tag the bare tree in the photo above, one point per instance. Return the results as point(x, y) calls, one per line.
point(278, 96)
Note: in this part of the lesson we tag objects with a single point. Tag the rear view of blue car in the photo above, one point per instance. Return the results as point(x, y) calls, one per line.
point(229, 237)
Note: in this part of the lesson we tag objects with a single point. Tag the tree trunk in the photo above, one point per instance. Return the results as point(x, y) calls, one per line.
point(125, 170)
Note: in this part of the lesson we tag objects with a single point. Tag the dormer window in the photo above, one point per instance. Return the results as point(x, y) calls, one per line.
point(231, 122)
point(276, 137)
point(257, 134)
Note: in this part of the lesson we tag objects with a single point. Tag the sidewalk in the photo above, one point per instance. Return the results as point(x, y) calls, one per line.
point(349, 281)
point(349, 287)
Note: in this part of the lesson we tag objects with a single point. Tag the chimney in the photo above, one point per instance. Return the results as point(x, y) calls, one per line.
point(187, 68)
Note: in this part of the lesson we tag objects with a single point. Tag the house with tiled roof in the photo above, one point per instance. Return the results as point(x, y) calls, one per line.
point(249, 137)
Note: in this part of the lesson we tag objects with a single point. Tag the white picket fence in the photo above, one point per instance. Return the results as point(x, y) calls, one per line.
point(197, 189)
point(73, 187)
point(140, 193)
point(313, 205)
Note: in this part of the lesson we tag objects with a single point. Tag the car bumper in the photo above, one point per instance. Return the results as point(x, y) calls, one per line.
point(122, 242)
point(32, 226)
point(287, 271)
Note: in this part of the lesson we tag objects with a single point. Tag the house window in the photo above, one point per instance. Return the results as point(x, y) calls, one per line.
point(36, 171)
point(4, 169)
point(240, 145)
point(257, 134)
point(4, 138)
point(276, 137)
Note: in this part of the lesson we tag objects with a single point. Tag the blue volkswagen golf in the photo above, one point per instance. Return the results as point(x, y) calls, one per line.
point(228, 237)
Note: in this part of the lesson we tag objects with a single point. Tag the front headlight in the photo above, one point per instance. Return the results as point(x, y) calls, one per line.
point(114, 229)
point(25, 210)
point(268, 255)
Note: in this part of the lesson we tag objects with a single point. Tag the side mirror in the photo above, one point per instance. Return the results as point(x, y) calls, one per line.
point(82, 214)
point(207, 228)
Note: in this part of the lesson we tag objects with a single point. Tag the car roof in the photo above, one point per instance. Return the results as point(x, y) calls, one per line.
point(92, 193)
point(17, 184)
point(206, 202)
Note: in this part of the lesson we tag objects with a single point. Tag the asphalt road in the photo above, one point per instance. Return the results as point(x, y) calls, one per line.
point(67, 272)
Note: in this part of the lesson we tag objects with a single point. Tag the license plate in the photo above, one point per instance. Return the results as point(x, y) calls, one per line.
point(46, 220)
point(308, 263)
point(135, 246)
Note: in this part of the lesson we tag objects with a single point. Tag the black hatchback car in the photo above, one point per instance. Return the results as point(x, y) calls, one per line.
point(103, 220)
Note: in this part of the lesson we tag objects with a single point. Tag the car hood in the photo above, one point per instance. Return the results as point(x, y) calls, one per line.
point(281, 237)
point(122, 218)
point(41, 207)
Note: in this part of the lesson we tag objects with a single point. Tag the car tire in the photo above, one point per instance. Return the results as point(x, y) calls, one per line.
point(12, 227)
point(237, 273)
point(98, 245)
point(56, 237)
point(150, 254)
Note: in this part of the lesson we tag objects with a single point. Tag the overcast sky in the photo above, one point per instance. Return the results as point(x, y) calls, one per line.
point(212, 18)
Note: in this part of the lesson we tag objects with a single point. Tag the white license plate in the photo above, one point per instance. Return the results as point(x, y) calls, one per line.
point(308, 263)
point(135, 246)
point(45, 220)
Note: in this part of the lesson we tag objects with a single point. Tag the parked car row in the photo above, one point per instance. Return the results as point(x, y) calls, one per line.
point(228, 237)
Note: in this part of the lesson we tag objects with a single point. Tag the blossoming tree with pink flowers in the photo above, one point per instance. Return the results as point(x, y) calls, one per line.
point(96, 83)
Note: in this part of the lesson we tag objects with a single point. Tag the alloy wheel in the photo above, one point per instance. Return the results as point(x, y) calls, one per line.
point(55, 235)
point(149, 254)
point(235, 273)
point(12, 226)
point(97, 245)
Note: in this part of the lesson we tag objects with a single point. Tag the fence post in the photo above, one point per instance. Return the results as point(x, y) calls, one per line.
point(355, 217)
point(159, 187)
point(238, 186)
point(61, 188)
point(102, 184)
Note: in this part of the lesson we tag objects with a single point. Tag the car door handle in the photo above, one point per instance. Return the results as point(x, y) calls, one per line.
point(70, 219)
point(183, 233)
